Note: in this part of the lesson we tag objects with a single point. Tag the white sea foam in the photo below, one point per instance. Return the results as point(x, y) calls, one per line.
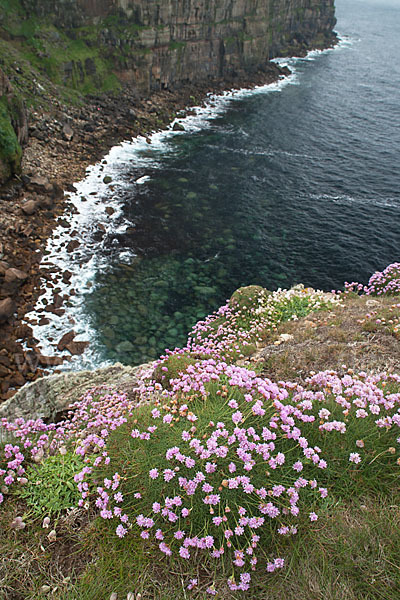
point(346, 200)
point(89, 213)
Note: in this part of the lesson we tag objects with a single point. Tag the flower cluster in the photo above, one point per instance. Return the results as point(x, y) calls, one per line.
point(214, 460)
point(221, 485)
point(234, 331)
point(85, 429)
point(386, 282)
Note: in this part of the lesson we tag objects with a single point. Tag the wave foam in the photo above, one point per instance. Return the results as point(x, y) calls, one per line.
point(89, 215)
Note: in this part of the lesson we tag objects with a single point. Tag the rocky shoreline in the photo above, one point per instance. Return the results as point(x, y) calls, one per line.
point(60, 147)
point(61, 144)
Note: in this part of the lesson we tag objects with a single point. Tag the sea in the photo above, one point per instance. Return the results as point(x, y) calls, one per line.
point(297, 181)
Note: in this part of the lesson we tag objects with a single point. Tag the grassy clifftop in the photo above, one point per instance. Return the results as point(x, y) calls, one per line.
point(230, 472)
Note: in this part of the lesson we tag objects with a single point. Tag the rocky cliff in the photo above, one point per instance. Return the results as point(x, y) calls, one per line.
point(80, 47)
point(160, 44)
point(13, 129)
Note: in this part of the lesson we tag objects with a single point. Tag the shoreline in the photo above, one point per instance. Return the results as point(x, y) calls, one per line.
point(36, 201)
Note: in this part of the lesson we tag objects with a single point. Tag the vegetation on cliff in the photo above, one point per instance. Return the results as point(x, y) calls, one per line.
point(231, 481)
point(10, 150)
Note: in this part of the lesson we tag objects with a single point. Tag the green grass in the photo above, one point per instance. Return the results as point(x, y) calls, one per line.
point(353, 555)
point(50, 488)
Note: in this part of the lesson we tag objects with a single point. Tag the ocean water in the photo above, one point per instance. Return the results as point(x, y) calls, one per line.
point(294, 182)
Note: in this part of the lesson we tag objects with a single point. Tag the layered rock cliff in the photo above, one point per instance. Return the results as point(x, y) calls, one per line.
point(78, 47)
point(161, 44)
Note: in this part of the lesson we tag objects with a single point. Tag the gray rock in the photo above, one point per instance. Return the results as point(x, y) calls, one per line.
point(68, 133)
point(47, 397)
point(40, 184)
point(29, 207)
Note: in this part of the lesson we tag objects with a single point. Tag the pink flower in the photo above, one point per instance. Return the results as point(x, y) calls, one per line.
point(313, 516)
point(153, 473)
point(184, 552)
point(168, 474)
point(355, 457)
point(164, 548)
point(237, 417)
point(192, 584)
point(120, 531)
point(179, 535)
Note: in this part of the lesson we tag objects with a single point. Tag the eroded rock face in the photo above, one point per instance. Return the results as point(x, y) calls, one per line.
point(161, 44)
point(13, 129)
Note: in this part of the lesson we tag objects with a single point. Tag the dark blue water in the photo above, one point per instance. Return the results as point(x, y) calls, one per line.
point(300, 185)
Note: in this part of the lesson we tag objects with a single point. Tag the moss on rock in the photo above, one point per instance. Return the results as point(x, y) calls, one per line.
point(248, 297)
point(10, 150)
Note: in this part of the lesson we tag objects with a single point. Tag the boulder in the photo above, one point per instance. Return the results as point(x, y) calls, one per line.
point(41, 184)
point(125, 346)
point(4, 371)
point(7, 308)
point(50, 361)
point(72, 245)
point(15, 276)
point(65, 340)
point(49, 396)
point(77, 348)
point(29, 207)
point(68, 133)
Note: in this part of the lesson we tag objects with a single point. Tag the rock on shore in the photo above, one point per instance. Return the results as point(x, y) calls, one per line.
point(48, 397)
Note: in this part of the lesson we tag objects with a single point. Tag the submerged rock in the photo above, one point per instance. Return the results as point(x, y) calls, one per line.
point(125, 346)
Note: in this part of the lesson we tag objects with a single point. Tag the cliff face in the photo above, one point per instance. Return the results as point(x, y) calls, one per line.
point(160, 44)
point(66, 48)
point(13, 129)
